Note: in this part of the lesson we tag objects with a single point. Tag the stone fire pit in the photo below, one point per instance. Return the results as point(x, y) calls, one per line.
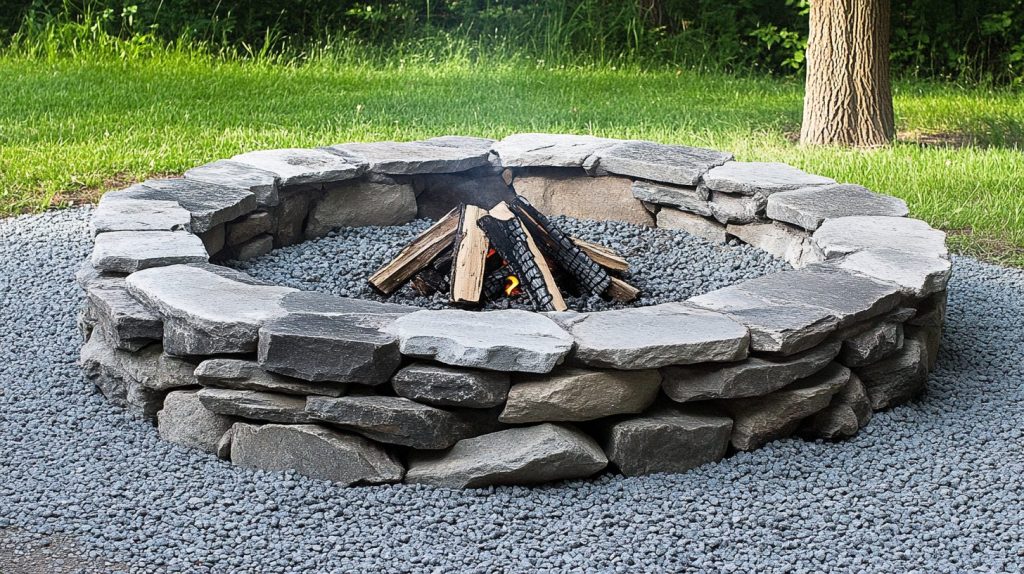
point(367, 392)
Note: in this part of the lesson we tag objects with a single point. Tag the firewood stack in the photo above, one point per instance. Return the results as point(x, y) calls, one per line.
point(480, 255)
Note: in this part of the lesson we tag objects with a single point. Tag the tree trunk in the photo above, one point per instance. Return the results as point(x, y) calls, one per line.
point(848, 99)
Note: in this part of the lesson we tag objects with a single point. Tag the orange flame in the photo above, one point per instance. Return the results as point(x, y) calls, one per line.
point(511, 286)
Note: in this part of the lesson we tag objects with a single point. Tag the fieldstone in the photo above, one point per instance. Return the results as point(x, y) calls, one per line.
point(122, 214)
point(263, 184)
point(252, 225)
point(127, 323)
point(131, 251)
point(574, 194)
point(255, 247)
point(398, 420)
point(668, 440)
point(931, 338)
point(297, 166)
point(353, 348)
point(753, 377)
point(525, 455)
point(256, 405)
point(437, 194)
point(918, 275)
point(898, 378)
point(729, 208)
point(223, 449)
point(579, 395)
point(691, 199)
point(442, 155)
point(317, 303)
point(244, 375)
point(849, 411)
point(766, 178)
point(291, 217)
point(508, 340)
point(214, 240)
point(656, 336)
point(931, 312)
point(548, 150)
point(185, 421)
point(449, 386)
point(676, 164)
point(113, 373)
point(845, 235)
point(760, 420)
point(788, 243)
point(314, 451)
point(361, 203)
point(204, 312)
point(872, 345)
point(810, 207)
point(693, 224)
point(209, 204)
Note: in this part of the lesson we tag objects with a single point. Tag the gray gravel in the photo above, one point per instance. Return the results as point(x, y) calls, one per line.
point(666, 265)
point(931, 487)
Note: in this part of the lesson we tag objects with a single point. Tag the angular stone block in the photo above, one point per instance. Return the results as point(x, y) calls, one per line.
point(255, 247)
point(214, 240)
point(579, 395)
point(126, 322)
point(548, 150)
point(845, 235)
point(690, 199)
point(263, 184)
point(872, 345)
point(449, 386)
point(918, 275)
point(291, 217)
point(810, 207)
point(699, 226)
point(849, 411)
point(765, 178)
point(785, 242)
point(296, 166)
point(680, 165)
point(245, 375)
point(252, 225)
point(668, 440)
point(131, 251)
point(575, 194)
point(125, 214)
point(256, 405)
point(730, 208)
point(360, 203)
point(899, 378)
point(440, 155)
point(209, 204)
point(185, 421)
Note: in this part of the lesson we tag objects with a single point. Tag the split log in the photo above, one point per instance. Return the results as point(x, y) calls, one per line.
point(470, 257)
point(603, 256)
point(416, 255)
point(513, 242)
point(622, 291)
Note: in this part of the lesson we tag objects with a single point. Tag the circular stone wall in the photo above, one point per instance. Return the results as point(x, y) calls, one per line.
point(368, 392)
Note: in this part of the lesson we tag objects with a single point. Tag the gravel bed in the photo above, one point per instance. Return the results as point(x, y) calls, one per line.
point(934, 486)
point(666, 265)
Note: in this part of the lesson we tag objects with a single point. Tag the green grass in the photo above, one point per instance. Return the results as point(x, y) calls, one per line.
point(70, 128)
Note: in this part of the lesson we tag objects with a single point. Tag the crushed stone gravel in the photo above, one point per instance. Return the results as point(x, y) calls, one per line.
point(934, 486)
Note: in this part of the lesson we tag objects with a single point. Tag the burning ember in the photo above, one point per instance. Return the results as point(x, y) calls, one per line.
point(512, 286)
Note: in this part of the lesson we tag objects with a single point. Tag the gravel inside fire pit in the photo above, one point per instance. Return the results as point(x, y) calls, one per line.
point(666, 265)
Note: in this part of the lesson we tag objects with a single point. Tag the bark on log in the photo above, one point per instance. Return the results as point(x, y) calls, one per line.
point(416, 255)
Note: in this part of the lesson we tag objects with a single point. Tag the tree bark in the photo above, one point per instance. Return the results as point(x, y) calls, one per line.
point(848, 98)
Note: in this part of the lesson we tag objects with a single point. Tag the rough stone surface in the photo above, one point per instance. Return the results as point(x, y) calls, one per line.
point(579, 395)
point(848, 412)
point(656, 336)
point(845, 235)
point(668, 440)
point(526, 455)
point(872, 345)
point(730, 208)
point(297, 166)
point(291, 217)
point(263, 184)
point(899, 378)
point(256, 405)
point(760, 420)
point(780, 240)
point(246, 375)
point(918, 275)
point(123, 378)
point(244, 229)
point(810, 207)
point(690, 199)
point(185, 421)
point(696, 225)
point(204, 312)
point(454, 154)
point(766, 178)
point(752, 377)
point(360, 203)
point(314, 303)
point(574, 194)
point(124, 214)
point(130, 251)
point(255, 247)
point(437, 194)
point(398, 420)
point(353, 348)
point(214, 240)
point(674, 164)
point(314, 451)
point(209, 204)
point(125, 321)
point(512, 340)
point(441, 385)
point(548, 150)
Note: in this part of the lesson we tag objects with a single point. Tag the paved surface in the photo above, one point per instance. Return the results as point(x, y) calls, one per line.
point(931, 487)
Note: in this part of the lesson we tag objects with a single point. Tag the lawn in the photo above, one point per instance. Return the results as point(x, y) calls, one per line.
point(70, 129)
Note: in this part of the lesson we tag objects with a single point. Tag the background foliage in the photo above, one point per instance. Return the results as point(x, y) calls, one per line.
point(964, 40)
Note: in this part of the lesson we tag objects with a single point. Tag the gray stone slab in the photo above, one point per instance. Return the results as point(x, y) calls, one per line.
point(680, 165)
point(252, 225)
point(760, 420)
point(510, 340)
point(214, 240)
point(184, 420)
point(245, 375)
point(129, 324)
point(291, 217)
point(898, 378)
point(314, 451)
point(125, 214)
point(574, 194)
point(766, 178)
point(134, 381)
point(526, 455)
point(668, 440)
point(442, 155)
point(872, 345)
point(398, 420)
point(255, 247)
point(204, 312)
point(849, 411)
point(810, 207)
point(579, 395)
point(209, 204)
point(656, 336)
point(297, 166)
point(918, 275)
point(256, 405)
point(548, 150)
point(354, 348)
point(845, 235)
point(263, 184)
point(360, 203)
point(130, 251)
point(752, 377)
point(699, 226)
point(730, 208)
point(441, 385)
point(690, 199)
point(793, 245)
point(316, 303)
